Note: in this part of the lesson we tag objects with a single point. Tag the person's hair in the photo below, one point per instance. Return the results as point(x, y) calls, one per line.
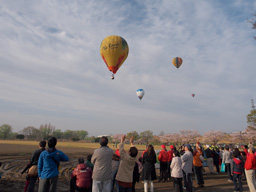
point(133, 151)
point(237, 151)
point(235, 154)
point(176, 153)
point(246, 147)
point(42, 143)
point(0, 164)
point(103, 141)
point(140, 159)
point(81, 160)
point(89, 157)
point(227, 148)
point(150, 149)
point(52, 141)
point(222, 148)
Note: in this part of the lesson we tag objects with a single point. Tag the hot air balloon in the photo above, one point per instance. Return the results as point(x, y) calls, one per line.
point(193, 95)
point(114, 51)
point(177, 61)
point(140, 93)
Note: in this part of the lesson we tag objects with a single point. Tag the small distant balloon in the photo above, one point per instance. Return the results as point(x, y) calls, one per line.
point(140, 93)
point(193, 95)
point(114, 51)
point(177, 61)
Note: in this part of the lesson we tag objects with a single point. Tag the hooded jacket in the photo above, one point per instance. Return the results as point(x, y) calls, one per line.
point(83, 176)
point(236, 166)
point(163, 156)
point(47, 167)
point(250, 162)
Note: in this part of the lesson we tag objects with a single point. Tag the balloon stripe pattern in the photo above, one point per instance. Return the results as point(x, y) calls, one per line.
point(177, 61)
point(114, 51)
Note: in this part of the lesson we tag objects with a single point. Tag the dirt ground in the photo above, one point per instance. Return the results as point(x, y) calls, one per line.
point(16, 157)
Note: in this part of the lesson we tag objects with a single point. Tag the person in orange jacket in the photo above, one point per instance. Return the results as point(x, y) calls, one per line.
point(163, 159)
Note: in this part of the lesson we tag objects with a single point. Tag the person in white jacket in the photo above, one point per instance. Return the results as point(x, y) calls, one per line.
point(176, 171)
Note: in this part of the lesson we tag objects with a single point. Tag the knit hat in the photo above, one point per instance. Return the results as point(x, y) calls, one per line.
point(163, 146)
point(171, 147)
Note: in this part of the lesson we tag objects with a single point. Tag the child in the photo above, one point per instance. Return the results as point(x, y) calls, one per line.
point(88, 162)
point(176, 171)
point(236, 171)
point(81, 177)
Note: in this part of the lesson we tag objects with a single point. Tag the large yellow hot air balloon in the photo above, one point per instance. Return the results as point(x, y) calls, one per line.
point(114, 50)
point(177, 61)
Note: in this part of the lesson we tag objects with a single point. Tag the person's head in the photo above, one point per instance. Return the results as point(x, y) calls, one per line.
point(103, 141)
point(52, 142)
point(89, 157)
point(246, 147)
point(176, 153)
point(163, 147)
point(222, 148)
point(251, 150)
point(187, 147)
point(150, 149)
point(133, 151)
point(237, 151)
point(81, 160)
point(226, 148)
point(235, 154)
point(172, 147)
point(42, 144)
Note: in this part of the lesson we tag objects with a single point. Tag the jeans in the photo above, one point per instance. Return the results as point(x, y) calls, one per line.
point(199, 175)
point(177, 182)
point(188, 181)
point(125, 189)
point(239, 178)
point(113, 181)
point(229, 171)
point(101, 186)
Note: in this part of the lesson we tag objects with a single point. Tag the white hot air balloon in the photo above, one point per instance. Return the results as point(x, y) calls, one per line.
point(140, 93)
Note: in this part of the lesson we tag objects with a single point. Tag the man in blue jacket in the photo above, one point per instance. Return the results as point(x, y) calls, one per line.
point(48, 166)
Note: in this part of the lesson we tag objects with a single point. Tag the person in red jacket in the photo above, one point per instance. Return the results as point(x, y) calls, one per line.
point(163, 159)
point(81, 177)
point(250, 166)
point(170, 156)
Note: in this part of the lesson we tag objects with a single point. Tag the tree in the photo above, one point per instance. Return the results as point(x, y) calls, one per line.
point(31, 132)
point(253, 22)
point(46, 130)
point(146, 135)
point(20, 136)
point(238, 137)
point(161, 133)
point(81, 134)
point(250, 134)
point(187, 136)
point(117, 138)
point(251, 119)
point(213, 136)
point(5, 131)
point(57, 133)
point(135, 135)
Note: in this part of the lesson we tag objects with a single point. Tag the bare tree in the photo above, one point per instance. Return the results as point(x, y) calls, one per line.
point(188, 136)
point(213, 136)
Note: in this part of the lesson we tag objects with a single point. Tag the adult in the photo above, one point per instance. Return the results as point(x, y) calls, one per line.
point(124, 175)
point(34, 161)
point(250, 166)
point(170, 156)
point(176, 171)
point(48, 166)
point(198, 165)
point(149, 171)
point(227, 160)
point(216, 159)
point(163, 159)
point(81, 177)
point(114, 168)
point(209, 156)
point(187, 164)
point(102, 160)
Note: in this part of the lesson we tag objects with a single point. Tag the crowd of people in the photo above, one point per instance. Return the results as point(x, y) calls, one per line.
point(108, 171)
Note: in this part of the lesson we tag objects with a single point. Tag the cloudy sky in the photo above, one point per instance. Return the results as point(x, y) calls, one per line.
point(51, 70)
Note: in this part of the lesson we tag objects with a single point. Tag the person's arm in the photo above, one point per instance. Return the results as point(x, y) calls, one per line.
point(40, 165)
point(121, 146)
point(184, 157)
point(131, 141)
point(64, 157)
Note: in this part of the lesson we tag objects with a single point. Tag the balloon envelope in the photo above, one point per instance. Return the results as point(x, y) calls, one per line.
point(114, 51)
point(177, 61)
point(193, 95)
point(140, 93)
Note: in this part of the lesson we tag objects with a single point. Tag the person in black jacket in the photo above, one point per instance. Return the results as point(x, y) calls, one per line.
point(34, 161)
point(149, 171)
point(209, 156)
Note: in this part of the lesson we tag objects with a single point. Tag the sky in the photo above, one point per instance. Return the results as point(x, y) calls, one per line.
point(51, 70)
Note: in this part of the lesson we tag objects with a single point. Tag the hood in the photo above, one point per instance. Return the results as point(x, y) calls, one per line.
point(237, 161)
point(81, 166)
point(51, 152)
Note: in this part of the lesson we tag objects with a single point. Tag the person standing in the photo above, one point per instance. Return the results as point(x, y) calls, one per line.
point(48, 166)
point(170, 156)
point(187, 164)
point(209, 156)
point(163, 159)
point(149, 171)
point(227, 160)
point(176, 171)
point(198, 165)
point(250, 166)
point(124, 175)
point(236, 171)
point(34, 161)
point(102, 160)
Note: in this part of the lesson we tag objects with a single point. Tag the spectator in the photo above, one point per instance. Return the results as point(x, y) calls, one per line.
point(136, 176)
point(236, 171)
point(89, 162)
point(149, 171)
point(250, 166)
point(227, 160)
point(124, 175)
point(198, 165)
point(209, 156)
point(48, 166)
point(81, 177)
point(163, 158)
point(115, 165)
point(216, 159)
point(176, 171)
point(102, 160)
point(187, 164)
point(170, 156)
point(34, 161)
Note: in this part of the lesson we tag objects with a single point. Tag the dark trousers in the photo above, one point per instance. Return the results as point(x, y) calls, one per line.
point(229, 171)
point(199, 175)
point(74, 187)
point(177, 183)
point(238, 177)
point(169, 170)
point(48, 185)
point(32, 183)
point(217, 168)
point(163, 171)
point(125, 189)
point(187, 177)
